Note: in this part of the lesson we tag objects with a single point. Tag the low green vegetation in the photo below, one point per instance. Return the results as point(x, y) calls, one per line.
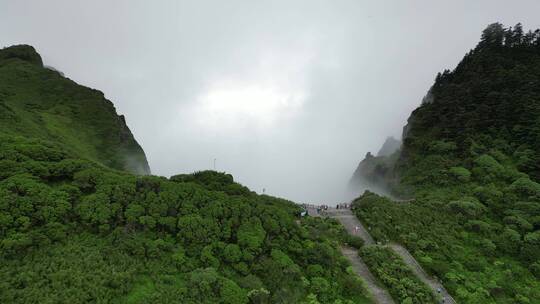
point(470, 158)
point(73, 231)
point(478, 258)
point(396, 276)
point(353, 241)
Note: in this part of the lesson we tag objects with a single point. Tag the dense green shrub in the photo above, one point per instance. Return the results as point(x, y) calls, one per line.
point(400, 281)
point(74, 231)
point(354, 241)
point(460, 173)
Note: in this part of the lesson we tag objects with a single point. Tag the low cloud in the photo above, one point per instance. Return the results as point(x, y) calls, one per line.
point(285, 95)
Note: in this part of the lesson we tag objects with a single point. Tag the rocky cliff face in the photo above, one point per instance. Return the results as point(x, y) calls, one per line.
point(375, 173)
point(39, 102)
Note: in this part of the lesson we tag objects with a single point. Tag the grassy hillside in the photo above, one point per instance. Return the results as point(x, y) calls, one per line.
point(38, 102)
point(470, 157)
point(77, 227)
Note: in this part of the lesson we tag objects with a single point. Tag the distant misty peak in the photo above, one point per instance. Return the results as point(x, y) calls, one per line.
point(390, 146)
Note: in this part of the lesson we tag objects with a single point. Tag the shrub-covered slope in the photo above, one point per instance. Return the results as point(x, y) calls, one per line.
point(72, 231)
point(39, 102)
point(470, 157)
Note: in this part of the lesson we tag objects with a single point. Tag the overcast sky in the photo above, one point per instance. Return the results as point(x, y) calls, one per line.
point(285, 95)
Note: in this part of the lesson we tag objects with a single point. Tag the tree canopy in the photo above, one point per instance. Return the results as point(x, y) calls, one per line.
point(471, 159)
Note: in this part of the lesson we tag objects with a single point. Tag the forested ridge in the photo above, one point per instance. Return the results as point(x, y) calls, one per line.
point(76, 229)
point(470, 158)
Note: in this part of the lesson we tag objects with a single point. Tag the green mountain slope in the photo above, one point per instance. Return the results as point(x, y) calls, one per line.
point(470, 157)
point(491, 101)
point(74, 229)
point(38, 102)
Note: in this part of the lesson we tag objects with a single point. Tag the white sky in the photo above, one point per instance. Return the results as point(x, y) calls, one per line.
point(286, 95)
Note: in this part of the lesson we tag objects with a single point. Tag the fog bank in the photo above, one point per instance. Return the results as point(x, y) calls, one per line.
point(285, 95)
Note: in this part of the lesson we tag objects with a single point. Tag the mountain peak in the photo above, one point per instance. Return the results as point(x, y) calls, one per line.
point(22, 51)
point(390, 146)
point(38, 102)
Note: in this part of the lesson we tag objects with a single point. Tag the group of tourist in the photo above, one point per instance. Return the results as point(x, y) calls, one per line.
point(343, 206)
point(321, 209)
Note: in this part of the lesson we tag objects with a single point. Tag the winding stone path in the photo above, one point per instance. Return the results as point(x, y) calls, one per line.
point(378, 293)
point(355, 227)
point(351, 224)
point(421, 273)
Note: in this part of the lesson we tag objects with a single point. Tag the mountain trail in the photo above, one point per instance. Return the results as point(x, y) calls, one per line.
point(355, 227)
point(378, 293)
